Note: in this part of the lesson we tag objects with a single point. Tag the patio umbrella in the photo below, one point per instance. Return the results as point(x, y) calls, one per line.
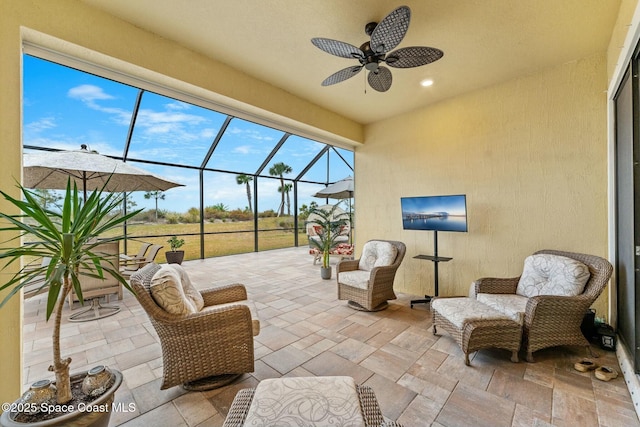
point(342, 189)
point(90, 170)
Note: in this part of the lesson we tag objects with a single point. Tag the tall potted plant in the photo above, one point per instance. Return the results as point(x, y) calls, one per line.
point(174, 256)
point(69, 238)
point(328, 224)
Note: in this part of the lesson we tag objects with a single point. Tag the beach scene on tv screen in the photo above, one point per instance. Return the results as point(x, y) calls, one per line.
point(439, 213)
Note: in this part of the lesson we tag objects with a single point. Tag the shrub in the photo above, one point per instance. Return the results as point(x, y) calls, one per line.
point(240, 215)
point(172, 218)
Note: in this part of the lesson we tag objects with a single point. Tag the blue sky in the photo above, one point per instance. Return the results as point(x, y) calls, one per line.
point(64, 108)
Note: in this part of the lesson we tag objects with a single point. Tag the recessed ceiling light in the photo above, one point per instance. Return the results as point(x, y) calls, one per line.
point(427, 82)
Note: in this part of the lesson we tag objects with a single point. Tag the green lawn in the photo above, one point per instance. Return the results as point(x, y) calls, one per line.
point(227, 237)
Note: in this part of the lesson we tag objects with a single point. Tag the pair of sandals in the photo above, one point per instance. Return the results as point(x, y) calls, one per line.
point(603, 373)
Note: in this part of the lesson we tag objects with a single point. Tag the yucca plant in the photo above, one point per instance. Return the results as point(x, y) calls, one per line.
point(69, 238)
point(331, 221)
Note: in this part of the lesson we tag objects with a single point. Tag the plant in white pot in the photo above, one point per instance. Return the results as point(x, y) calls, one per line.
point(174, 256)
point(328, 224)
point(68, 237)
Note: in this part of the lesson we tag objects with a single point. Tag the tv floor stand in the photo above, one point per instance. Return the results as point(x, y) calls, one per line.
point(436, 260)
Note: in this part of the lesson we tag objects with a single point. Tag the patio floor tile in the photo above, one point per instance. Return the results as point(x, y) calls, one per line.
point(419, 379)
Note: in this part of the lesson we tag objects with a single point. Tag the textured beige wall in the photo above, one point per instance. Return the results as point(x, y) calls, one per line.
point(10, 167)
point(530, 154)
point(617, 48)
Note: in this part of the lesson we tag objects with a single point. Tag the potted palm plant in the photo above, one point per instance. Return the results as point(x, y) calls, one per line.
point(174, 256)
point(68, 237)
point(328, 224)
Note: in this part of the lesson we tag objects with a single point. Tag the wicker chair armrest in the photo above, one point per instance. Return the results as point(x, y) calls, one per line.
point(383, 274)
point(224, 294)
point(494, 285)
point(347, 265)
point(214, 319)
point(549, 309)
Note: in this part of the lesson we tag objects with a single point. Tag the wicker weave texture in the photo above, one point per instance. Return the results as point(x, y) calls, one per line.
point(210, 342)
point(551, 321)
point(368, 404)
point(380, 288)
point(477, 334)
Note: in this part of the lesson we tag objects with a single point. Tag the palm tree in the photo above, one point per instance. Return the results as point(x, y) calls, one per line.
point(156, 194)
point(286, 190)
point(279, 169)
point(246, 179)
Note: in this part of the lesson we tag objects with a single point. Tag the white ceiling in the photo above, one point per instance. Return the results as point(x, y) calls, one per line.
point(484, 42)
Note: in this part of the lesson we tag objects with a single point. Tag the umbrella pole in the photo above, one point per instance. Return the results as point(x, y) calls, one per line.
point(84, 185)
point(350, 224)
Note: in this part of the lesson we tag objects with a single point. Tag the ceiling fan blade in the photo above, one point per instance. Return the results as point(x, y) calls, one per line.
point(380, 79)
point(391, 30)
point(409, 57)
point(342, 75)
point(337, 48)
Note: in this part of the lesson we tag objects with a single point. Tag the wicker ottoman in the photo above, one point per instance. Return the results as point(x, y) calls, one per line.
point(475, 325)
point(306, 401)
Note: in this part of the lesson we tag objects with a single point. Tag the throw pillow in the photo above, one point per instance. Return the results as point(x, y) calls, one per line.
point(547, 274)
point(166, 290)
point(376, 253)
point(190, 291)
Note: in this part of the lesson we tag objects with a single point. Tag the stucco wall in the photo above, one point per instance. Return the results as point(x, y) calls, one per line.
point(530, 154)
point(617, 48)
point(10, 167)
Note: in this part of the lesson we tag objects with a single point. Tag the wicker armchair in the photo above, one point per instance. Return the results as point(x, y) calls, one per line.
point(551, 321)
point(206, 349)
point(379, 287)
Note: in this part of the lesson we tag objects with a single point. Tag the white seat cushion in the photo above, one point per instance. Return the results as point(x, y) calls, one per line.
point(305, 401)
point(513, 306)
point(357, 278)
point(376, 253)
point(546, 274)
point(461, 310)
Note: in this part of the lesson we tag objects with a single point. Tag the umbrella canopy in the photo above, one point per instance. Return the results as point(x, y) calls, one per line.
point(342, 189)
point(90, 170)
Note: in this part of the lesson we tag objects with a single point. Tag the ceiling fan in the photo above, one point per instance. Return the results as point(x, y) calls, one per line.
point(385, 36)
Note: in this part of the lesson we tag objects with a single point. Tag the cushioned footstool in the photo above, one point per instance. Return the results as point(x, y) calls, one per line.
point(306, 401)
point(475, 325)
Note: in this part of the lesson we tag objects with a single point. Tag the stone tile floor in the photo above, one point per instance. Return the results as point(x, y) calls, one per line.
point(419, 379)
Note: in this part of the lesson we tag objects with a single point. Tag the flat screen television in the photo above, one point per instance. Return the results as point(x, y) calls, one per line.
point(437, 213)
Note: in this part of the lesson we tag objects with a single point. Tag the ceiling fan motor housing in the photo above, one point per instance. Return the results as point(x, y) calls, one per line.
point(370, 60)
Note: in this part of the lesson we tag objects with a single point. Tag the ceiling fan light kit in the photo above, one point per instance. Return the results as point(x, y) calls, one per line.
point(385, 36)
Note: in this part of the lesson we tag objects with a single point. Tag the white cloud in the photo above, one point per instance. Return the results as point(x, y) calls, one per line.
point(243, 149)
point(248, 133)
point(177, 105)
point(39, 125)
point(88, 93)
